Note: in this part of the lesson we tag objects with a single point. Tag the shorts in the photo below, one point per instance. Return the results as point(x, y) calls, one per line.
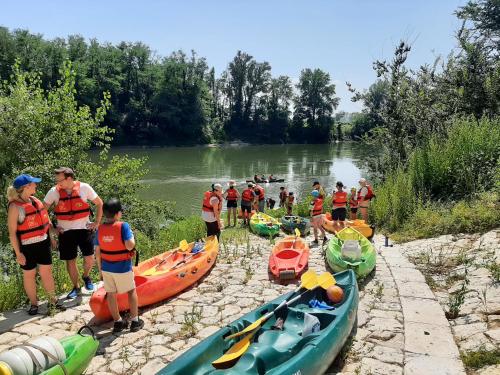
point(317, 221)
point(71, 240)
point(261, 205)
point(246, 208)
point(213, 229)
point(339, 214)
point(37, 253)
point(354, 210)
point(232, 204)
point(118, 282)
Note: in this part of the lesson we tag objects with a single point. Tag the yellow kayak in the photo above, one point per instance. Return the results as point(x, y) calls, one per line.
point(360, 225)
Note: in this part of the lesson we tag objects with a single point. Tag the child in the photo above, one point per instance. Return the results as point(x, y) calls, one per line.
point(114, 248)
point(247, 199)
point(289, 203)
point(317, 216)
point(353, 203)
point(231, 195)
point(283, 196)
point(339, 205)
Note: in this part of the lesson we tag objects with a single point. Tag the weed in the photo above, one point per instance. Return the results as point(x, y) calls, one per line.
point(188, 328)
point(380, 290)
point(481, 358)
point(219, 287)
point(456, 300)
point(431, 282)
point(248, 274)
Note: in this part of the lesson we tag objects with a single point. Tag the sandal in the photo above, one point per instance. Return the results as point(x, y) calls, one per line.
point(33, 310)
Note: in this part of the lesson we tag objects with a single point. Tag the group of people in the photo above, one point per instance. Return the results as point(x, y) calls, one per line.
point(33, 235)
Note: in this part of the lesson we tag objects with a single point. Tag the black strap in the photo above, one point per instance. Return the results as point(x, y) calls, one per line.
point(111, 252)
point(69, 197)
point(136, 256)
point(71, 213)
point(48, 354)
point(19, 232)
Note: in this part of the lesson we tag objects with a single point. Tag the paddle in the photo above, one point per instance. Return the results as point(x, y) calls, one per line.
point(308, 280)
point(183, 246)
point(297, 235)
point(325, 281)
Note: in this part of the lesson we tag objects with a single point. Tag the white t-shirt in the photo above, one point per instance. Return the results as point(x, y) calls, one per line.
point(209, 217)
point(86, 193)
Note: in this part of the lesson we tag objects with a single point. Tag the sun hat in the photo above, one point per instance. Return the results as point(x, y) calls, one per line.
point(25, 179)
point(362, 180)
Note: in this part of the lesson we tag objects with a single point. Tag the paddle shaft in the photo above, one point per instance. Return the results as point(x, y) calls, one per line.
point(185, 260)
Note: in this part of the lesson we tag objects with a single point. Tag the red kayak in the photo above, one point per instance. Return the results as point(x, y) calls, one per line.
point(289, 258)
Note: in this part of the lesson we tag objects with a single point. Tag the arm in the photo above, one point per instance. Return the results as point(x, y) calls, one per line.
point(97, 251)
point(98, 204)
point(130, 244)
point(217, 213)
point(12, 225)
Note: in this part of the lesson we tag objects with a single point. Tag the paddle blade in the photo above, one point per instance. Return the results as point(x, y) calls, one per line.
point(183, 245)
point(234, 353)
point(297, 232)
point(326, 280)
point(310, 282)
point(250, 328)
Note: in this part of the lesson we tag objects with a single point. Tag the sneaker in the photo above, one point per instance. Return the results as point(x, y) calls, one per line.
point(88, 283)
point(325, 240)
point(33, 310)
point(75, 292)
point(314, 243)
point(136, 325)
point(120, 326)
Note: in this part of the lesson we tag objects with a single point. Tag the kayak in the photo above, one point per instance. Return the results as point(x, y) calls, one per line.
point(163, 276)
point(289, 258)
point(338, 262)
point(360, 225)
point(280, 352)
point(267, 181)
point(289, 223)
point(264, 225)
point(79, 350)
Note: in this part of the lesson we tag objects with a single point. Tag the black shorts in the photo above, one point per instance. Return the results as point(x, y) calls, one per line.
point(354, 210)
point(36, 253)
point(213, 229)
point(246, 208)
point(232, 204)
point(339, 214)
point(71, 240)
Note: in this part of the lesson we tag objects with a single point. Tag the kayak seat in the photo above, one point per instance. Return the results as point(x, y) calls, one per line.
point(287, 254)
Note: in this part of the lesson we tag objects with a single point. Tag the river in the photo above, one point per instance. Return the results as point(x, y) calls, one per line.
point(182, 174)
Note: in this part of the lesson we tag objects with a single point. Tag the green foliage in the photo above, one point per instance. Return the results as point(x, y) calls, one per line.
point(481, 358)
point(190, 229)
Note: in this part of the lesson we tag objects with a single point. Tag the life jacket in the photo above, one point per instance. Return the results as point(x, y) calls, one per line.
point(369, 195)
point(36, 220)
point(339, 199)
point(112, 247)
point(261, 193)
point(353, 201)
point(71, 207)
point(283, 196)
point(318, 207)
point(206, 201)
point(231, 194)
point(247, 195)
point(291, 198)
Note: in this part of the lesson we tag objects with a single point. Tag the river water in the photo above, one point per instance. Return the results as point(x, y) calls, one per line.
point(182, 174)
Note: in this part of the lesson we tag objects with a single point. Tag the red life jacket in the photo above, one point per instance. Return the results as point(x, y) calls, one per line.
point(283, 195)
point(109, 237)
point(206, 201)
point(36, 220)
point(260, 192)
point(231, 194)
point(291, 198)
point(318, 207)
point(71, 207)
point(339, 199)
point(353, 202)
point(369, 195)
point(247, 195)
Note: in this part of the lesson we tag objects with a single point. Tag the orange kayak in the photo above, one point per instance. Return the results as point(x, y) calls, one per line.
point(289, 258)
point(163, 276)
point(360, 225)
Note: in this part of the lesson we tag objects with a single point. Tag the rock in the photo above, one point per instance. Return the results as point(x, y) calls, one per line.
point(207, 331)
point(387, 355)
point(376, 367)
point(384, 324)
point(33, 330)
point(490, 370)
point(493, 321)
point(476, 342)
point(152, 367)
point(494, 334)
point(462, 332)
point(127, 364)
point(230, 311)
point(386, 338)
point(430, 339)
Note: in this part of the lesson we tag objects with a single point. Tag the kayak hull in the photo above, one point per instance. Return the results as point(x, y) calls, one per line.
point(289, 258)
point(334, 253)
point(162, 283)
point(290, 223)
point(275, 352)
point(360, 225)
point(264, 225)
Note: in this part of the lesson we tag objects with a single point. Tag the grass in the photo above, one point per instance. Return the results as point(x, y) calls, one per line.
point(190, 319)
point(481, 358)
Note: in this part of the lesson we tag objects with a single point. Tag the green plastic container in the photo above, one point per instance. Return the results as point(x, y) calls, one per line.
point(289, 223)
point(337, 263)
point(275, 352)
point(264, 225)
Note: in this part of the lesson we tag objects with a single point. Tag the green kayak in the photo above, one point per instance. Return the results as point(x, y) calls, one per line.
point(363, 266)
point(289, 223)
point(280, 352)
point(264, 225)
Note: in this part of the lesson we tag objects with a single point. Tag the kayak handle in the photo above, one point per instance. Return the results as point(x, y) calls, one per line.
point(86, 328)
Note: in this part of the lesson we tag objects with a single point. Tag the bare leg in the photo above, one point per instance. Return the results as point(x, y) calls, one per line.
point(113, 306)
point(228, 217)
point(134, 305)
point(88, 263)
point(47, 280)
point(29, 282)
point(364, 213)
point(234, 216)
point(73, 272)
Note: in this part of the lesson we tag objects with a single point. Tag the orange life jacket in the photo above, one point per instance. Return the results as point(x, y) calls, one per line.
point(369, 195)
point(71, 207)
point(231, 194)
point(353, 202)
point(206, 201)
point(112, 247)
point(318, 207)
point(247, 195)
point(36, 220)
point(261, 192)
point(291, 198)
point(339, 199)
point(283, 196)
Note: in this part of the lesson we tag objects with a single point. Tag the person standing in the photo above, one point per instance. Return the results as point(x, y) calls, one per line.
point(211, 209)
point(247, 199)
point(353, 203)
point(317, 186)
point(316, 211)
point(365, 195)
point(260, 197)
point(70, 199)
point(114, 249)
point(283, 196)
point(231, 195)
point(289, 203)
point(339, 205)
point(29, 233)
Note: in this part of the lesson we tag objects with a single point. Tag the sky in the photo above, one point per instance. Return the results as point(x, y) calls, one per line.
point(340, 37)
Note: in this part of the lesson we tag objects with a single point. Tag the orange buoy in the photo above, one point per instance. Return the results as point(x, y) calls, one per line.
point(335, 294)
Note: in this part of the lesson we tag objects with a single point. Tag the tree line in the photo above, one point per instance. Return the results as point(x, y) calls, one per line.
point(179, 99)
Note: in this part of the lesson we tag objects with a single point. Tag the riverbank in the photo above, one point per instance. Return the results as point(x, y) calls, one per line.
point(402, 327)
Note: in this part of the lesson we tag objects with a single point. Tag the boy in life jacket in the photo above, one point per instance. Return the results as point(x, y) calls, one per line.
point(114, 246)
point(365, 195)
point(289, 203)
point(317, 216)
point(339, 205)
point(247, 199)
point(283, 196)
point(353, 203)
point(231, 195)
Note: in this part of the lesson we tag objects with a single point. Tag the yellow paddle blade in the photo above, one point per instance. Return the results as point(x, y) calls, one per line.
point(297, 232)
point(326, 280)
point(234, 352)
point(183, 245)
point(250, 328)
point(310, 282)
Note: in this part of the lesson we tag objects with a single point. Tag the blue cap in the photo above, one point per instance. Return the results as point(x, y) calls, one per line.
point(25, 179)
point(315, 193)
